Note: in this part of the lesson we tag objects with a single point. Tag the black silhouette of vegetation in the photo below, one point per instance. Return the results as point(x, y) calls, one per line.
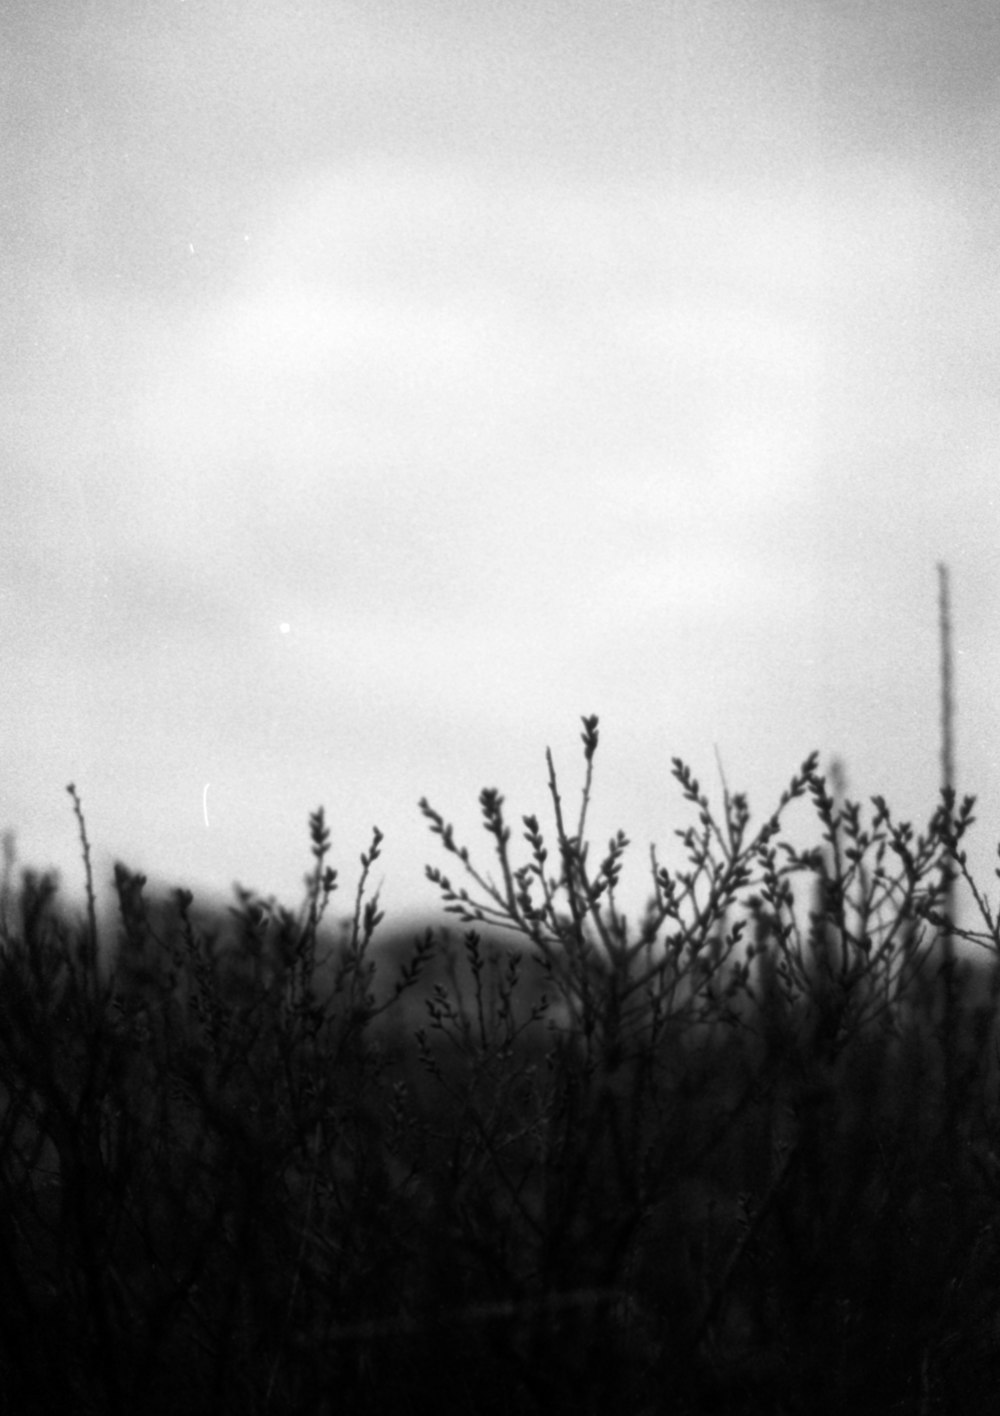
point(741, 1157)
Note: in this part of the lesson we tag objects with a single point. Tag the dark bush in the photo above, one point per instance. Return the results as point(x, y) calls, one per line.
point(740, 1158)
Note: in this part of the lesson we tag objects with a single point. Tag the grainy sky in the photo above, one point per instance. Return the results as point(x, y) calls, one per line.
point(385, 385)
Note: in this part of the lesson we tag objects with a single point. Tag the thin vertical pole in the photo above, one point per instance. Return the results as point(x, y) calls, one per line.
point(948, 800)
point(947, 674)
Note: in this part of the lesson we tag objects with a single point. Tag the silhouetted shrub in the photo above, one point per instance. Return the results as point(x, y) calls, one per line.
point(742, 1157)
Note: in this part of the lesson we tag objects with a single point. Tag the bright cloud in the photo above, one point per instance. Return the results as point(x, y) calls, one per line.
point(522, 364)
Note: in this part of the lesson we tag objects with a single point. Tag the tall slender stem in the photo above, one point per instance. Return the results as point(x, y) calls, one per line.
point(947, 673)
point(947, 744)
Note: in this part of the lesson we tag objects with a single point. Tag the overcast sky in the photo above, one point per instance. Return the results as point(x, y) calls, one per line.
point(387, 385)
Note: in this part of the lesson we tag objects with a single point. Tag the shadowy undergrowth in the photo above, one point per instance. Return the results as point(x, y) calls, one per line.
point(740, 1156)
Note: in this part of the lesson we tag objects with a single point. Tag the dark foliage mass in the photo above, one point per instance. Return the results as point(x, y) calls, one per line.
point(740, 1157)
